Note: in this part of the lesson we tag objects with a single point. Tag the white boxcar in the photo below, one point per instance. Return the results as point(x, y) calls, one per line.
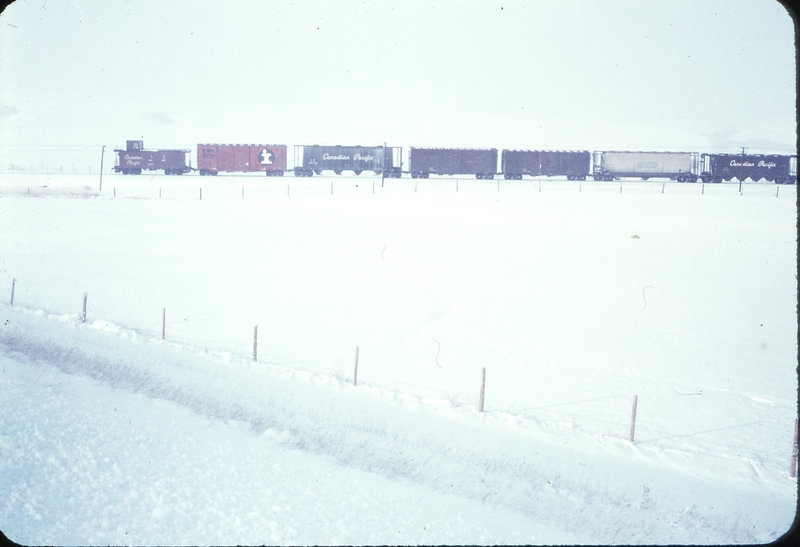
point(680, 166)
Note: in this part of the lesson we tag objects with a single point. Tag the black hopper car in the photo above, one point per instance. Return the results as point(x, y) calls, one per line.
point(772, 168)
point(312, 160)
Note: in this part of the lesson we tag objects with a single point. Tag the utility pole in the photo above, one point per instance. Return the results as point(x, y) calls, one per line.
point(383, 171)
point(102, 156)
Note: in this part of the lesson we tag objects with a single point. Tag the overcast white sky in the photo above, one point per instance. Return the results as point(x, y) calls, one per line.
point(639, 75)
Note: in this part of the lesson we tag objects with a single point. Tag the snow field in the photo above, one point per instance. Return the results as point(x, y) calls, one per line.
point(573, 301)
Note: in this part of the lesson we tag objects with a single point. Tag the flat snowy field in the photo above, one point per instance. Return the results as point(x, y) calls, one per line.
point(575, 298)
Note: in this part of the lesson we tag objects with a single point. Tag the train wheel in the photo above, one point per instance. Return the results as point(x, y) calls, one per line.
point(357, 171)
point(337, 171)
point(478, 175)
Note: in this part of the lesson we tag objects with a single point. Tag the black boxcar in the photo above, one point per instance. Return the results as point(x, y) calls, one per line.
point(314, 159)
point(135, 159)
point(773, 168)
point(452, 161)
point(575, 165)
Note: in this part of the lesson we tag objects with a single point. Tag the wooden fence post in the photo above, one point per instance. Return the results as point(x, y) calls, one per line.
point(355, 370)
point(163, 323)
point(483, 389)
point(793, 468)
point(633, 417)
point(13, 284)
point(255, 343)
point(83, 316)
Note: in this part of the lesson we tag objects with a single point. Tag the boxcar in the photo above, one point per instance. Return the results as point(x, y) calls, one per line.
point(423, 162)
point(680, 166)
point(135, 159)
point(575, 165)
point(773, 168)
point(242, 158)
point(313, 159)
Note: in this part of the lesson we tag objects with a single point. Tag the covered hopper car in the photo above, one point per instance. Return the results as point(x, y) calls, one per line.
point(423, 162)
point(575, 165)
point(312, 160)
point(680, 166)
point(773, 168)
point(135, 159)
point(246, 158)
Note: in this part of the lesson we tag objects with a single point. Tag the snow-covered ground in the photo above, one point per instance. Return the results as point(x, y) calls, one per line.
point(575, 297)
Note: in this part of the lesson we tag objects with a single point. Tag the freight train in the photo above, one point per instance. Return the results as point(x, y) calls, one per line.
point(310, 160)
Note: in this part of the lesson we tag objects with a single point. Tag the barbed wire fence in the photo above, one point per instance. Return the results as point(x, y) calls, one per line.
point(603, 416)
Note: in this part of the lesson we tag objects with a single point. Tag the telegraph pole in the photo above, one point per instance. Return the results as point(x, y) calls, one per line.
point(383, 171)
point(102, 156)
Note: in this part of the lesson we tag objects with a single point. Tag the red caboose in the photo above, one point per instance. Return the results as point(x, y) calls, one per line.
point(243, 158)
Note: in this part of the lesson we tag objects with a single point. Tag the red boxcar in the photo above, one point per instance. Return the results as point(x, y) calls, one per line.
point(242, 158)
